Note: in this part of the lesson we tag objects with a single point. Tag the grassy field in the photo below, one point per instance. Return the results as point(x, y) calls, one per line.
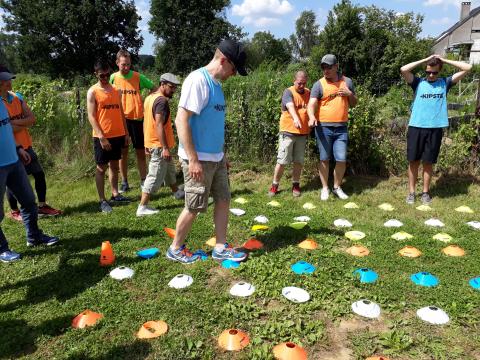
point(41, 294)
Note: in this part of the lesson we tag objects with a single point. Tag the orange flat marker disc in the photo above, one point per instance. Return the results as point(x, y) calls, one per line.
point(86, 318)
point(170, 232)
point(152, 329)
point(358, 250)
point(289, 351)
point(308, 244)
point(454, 250)
point(410, 251)
point(233, 340)
point(252, 244)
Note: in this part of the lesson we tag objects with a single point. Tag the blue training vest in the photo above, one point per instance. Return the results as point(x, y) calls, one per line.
point(208, 127)
point(8, 151)
point(429, 108)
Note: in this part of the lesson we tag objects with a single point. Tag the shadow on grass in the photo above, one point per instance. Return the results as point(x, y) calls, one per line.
point(136, 350)
point(93, 207)
point(18, 337)
point(244, 191)
point(452, 185)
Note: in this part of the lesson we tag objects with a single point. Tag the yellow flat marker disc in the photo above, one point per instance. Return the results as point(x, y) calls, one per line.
point(424, 208)
point(298, 225)
point(386, 207)
point(259, 227)
point(309, 206)
point(464, 209)
point(212, 241)
point(273, 203)
point(241, 200)
point(401, 235)
point(442, 237)
point(354, 235)
point(351, 205)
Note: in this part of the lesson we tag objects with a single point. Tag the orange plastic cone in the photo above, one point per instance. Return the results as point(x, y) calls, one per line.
point(86, 318)
point(170, 232)
point(152, 329)
point(358, 250)
point(410, 251)
point(377, 358)
point(454, 250)
point(289, 351)
point(308, 244)
point(107, 257)
point(233, 340)
point(252, 244)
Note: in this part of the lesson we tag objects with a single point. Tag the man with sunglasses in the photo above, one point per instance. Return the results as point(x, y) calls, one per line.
point(105, 114)
point(159, 142)
point(428, 118)
point(330, 99)
point(200, 125)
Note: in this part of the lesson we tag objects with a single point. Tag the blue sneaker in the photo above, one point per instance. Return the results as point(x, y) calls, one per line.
point(44, 240)
point(182, 255)
point(9, 256)
point(229, 253)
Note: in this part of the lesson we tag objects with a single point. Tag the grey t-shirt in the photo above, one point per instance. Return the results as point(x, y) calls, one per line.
point(161, 106)
point(317, 92)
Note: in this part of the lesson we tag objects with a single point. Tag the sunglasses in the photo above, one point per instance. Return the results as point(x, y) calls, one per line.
point(103, 75)
point(431, 72)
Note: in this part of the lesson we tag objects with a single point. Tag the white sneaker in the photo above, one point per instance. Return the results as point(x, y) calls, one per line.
point(179, 194)
point(144, 210)
point(324, 194)
point(339, 192)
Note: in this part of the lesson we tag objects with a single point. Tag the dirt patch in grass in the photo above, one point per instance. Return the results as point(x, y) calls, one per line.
point(217, 276)
point(245, 176)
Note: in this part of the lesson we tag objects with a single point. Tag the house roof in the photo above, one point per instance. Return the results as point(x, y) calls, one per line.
point(473, 13)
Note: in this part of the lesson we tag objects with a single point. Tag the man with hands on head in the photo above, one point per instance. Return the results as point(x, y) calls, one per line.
point(429, 116)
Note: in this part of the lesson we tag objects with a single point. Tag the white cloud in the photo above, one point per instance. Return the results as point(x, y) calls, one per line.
point(441, 2)
point(261, 22)
point(263, 7)
point(442, 21)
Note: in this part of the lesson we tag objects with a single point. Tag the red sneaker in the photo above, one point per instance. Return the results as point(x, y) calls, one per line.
point(47, 210)
point(273, 190)
point(296, 190)
point(15, 215)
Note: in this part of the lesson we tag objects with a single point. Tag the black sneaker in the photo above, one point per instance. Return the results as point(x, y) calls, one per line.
point(43, 240)
point(124, 187)
point(119, 199)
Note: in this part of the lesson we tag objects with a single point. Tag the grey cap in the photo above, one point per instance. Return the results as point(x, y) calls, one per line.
point(329, 59)
point(6, 75)
point(169, 77)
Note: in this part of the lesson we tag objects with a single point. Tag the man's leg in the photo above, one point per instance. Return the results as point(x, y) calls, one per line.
point(427, 175)
point(284, 157)
point(296, 172)
point(3, 184)
point(339, 147)
point(141, 163)
point(100, 180)
point(323, 135)
point(278, 172)
point(220, 218)
point(11, 200)
point(183, 227)
point(323, 168)
point(124, 166)
point(113, 176)
point(338, 174)
point(157, 168)
point(412, 175)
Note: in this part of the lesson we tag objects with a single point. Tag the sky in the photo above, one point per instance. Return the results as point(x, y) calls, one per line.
point(278, 16)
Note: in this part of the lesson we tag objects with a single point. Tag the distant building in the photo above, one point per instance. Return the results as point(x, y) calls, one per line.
point(463, 37)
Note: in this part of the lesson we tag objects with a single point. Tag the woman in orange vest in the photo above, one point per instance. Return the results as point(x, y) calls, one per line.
point(294, 131)
point(330, 100)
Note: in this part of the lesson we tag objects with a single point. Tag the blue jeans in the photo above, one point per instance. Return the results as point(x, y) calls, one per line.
point(332, 139)
point(15, 178)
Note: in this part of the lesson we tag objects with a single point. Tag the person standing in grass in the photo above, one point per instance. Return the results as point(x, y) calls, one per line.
point(200, 125)
point(21, 118)
point(429, 116)
point(159, 141)
point(330, 100)
point(105, 113)
point(130, 83)
point(14, 176)
point(294, 132)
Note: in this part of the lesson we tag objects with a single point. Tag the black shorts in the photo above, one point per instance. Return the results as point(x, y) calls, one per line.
point(135, 130)
point(423, 144)
point(34, 166)
point(102, 157)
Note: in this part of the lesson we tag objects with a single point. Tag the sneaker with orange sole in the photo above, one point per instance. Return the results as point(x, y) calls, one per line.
point(47, 210)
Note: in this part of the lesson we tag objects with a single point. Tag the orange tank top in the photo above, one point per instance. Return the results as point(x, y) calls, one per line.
point(300, 102)
point(131, 97)
point(152, 140)
point(109, 114)
point(332, 108)
point(15, 112)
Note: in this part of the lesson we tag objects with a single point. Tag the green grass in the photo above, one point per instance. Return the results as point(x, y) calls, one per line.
point(42, 293)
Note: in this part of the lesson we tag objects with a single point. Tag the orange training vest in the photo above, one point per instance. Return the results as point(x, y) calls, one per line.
point(300, 101)
point(15, 112)
point(109, 115)
point(152, 140)
point(131, 97)
point(332, 108)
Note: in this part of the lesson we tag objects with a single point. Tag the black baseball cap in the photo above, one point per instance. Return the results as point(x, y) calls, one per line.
point(235, 52)
point(5, 74)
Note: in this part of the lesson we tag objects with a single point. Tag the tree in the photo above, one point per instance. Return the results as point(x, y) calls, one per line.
point(63, 37)
point(264, 47)
point(8, 53)
point(306, 35)
point(189, 31)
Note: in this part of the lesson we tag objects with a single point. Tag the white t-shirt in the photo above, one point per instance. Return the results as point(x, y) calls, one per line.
point(194, 97)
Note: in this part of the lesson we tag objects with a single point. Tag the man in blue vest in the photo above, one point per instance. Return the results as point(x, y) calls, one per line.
point(200, 125)
point(428, 118)
point(13, 176)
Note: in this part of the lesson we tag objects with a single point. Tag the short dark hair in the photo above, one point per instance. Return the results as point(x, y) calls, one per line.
point(101, 64)
point(434, 62)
